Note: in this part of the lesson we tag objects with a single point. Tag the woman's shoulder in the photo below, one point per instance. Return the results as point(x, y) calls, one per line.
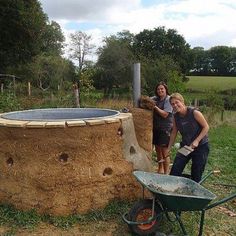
point(167, 98)
point(192, 109)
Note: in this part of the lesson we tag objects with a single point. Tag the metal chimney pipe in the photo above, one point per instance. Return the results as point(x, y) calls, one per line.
point(136, 85)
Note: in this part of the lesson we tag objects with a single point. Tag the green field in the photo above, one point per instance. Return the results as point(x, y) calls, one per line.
point(206, 83)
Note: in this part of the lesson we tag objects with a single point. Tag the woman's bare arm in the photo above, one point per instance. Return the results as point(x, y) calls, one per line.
point(205, 127)
point(173, 135)
point(161, 112)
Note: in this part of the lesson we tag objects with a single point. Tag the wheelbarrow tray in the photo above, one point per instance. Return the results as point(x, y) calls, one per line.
point(175, 193)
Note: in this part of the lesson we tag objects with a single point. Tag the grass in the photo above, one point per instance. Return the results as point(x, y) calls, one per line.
point(206, 83)
point(15, 220)
point(223, 150)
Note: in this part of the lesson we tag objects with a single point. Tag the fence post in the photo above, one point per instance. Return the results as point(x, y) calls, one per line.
point(76, 92)
point(14, 84)
point(195, 102)
point(29, 89)
point(222, 115)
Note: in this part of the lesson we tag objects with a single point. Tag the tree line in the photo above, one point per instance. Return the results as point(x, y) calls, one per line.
point(32, 47)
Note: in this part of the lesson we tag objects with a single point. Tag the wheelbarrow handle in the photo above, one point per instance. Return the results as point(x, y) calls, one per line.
point(232, 196)
point(207, 175)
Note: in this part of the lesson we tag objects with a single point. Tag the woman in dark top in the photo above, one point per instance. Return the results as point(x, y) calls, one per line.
point(162, 124)
point(193, 127)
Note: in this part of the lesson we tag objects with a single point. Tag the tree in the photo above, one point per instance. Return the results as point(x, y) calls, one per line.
point(52, 39)
point(162, 69)
point(80, 48)
point(221, 58)
point(153, 44)
point(86, 82)
point(22, 23)
point(198, 59)
point(232, 66)
point(48, 71)
point(114, 62)
point(218, 60)
point(202, 62)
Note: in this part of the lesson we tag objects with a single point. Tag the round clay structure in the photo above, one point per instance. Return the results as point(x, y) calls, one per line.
point(64, 161)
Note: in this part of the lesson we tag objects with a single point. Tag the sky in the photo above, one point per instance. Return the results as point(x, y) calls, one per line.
point(204, 23)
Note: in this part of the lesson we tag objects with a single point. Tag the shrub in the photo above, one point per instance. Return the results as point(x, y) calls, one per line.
point(8, 102)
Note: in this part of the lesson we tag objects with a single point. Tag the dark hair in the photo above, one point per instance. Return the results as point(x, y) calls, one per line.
point(164, 84)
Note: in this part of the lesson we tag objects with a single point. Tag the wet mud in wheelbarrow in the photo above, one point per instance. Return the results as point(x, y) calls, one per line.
point(176, 193)
point(170, 194)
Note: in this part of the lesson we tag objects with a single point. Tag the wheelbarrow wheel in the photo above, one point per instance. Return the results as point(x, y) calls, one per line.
point(141, 212)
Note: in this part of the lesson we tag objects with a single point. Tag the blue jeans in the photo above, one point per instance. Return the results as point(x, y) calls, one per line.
point(199, 159)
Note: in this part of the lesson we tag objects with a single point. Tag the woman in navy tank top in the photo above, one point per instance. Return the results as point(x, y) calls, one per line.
point(193, 128)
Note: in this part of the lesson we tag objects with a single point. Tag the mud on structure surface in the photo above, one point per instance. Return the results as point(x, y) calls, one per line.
point(69, 166)
point(143, 127)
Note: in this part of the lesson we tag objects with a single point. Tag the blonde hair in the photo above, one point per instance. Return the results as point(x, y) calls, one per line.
point(177, 96)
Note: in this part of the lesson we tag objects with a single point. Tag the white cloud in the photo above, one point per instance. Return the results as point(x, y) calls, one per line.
point(83, 10)
point(202, 23)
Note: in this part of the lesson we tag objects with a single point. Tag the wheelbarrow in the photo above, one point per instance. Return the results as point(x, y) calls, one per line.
point(170, 194)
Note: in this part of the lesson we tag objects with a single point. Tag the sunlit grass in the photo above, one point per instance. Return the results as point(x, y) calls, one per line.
point(206, 83)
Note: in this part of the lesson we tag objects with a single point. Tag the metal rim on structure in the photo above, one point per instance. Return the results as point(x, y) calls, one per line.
point(60, 114)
